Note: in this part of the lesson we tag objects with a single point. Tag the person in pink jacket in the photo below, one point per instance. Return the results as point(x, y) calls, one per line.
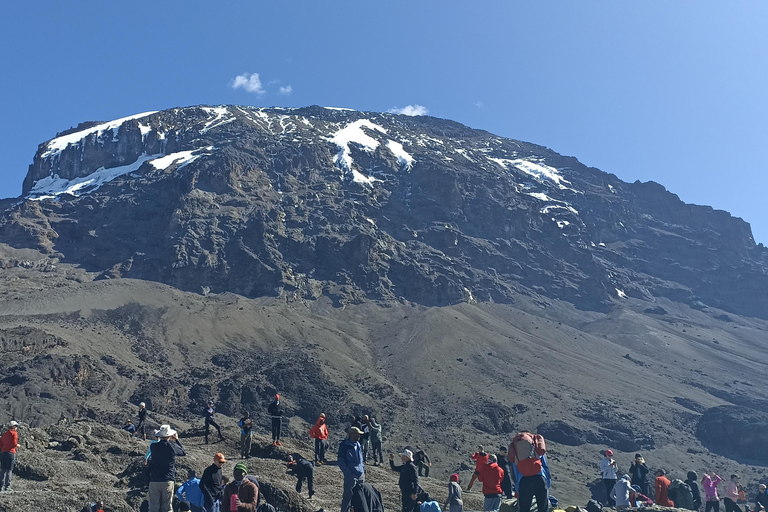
point(709, 483)
point(732, 495)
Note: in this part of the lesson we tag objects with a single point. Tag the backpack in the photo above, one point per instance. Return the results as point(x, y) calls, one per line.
point(680, 493)
point(525, 452)
point(594, 506)
point(430, 506)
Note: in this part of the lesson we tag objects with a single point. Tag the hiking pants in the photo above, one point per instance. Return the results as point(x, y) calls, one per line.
point(245, 444)
point(492, 503)
point(365, 444)
point(7, 462)
point(141, 429)
point(531, 486)
point(208, 423)
point(506, 486)
point(310, 477)
point(160, 496)
point(712, 505)
point(320, 450)
point(346, 498)
point(409, 505)
point(277, 423)
point(731, 506)
point(424, 466)
point(213, 507)
point(609, 483)
point(377, 451)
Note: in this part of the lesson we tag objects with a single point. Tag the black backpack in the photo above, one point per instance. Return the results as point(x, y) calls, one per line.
point(594, 506)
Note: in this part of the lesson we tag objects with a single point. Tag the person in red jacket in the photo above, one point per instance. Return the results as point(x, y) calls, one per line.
point(491, 475)
point(8, 443)
point(662, 488)
point(319, 432)
point(481, 459)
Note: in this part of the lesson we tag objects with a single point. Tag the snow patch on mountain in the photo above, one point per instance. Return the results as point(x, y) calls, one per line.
point(353, 132)
point(57, 145)
point(405, 158)
point(540, 172)
point(180, 158)
point(221, 114)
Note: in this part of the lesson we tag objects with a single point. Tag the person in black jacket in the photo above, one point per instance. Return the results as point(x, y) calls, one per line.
point(209, 422)
point(162, 468)
point(275, 411)
point(693, 483)
point(302, 469)
point(366, 498)
point(506, 482)
point(761, 500)
point(639, 471)
point(210, 484)
point(408, 481)
point(421, 461)
point(141, 428)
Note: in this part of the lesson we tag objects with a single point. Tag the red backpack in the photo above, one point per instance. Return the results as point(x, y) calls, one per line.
point(525, 452)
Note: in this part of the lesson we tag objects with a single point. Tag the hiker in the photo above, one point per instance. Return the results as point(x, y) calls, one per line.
point(681, 495)
point(141, 428)
point(240, 495)
point(709, 483)
point(454, 503)
point(319, 432)
point(491, 476)
point(357, 422)
point(350, 462)
point(693, 483)
point(147, 455)
point(211, 484)
point(189, 492)
point(662, 489)
point(422, 462)
point(129, 427)
point(527, 453)
point(210, 422)
point(246, 435)
point(97, 506)
point(639, 472)
point(9, 441)
point(365, 498)
point(302, 469)
point(376, 441)
point(365, 438)
point(275, 411)
point(408, 480)
point(162, 469)
point(481, 459)
point(761, 500)
point(622, 492)
point(503, 461)
point(638, 499)
point(608, 472)
point(732, 495)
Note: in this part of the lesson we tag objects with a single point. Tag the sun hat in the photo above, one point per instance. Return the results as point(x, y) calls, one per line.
point(219, 457)
point(13, 424)
point(165, 431)
point(407, 453)
point(142, 404)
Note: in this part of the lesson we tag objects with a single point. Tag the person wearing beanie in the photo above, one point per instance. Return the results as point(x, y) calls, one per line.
point(211, 484)
point(491, 476)
point(693, 483)
point(241, 494)
point(454, 502)
point(319, 432)
point(608, 472)
point(408, 481)
point(275, 411)
point(639, 473)
point(9, 441)
point(189, 492)
point(502, 460)
point(662, 489)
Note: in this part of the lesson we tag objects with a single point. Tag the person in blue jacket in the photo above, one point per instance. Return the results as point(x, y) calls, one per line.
point(350, 461)
point(189, 492)
point(529, 486)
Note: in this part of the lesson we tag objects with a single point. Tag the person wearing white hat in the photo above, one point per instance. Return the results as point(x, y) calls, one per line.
point(162, 469)
point(409, 479)
point(141, 428)
point(9, 441)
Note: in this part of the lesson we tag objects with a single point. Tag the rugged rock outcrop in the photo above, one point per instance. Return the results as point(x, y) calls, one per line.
point(736, 431)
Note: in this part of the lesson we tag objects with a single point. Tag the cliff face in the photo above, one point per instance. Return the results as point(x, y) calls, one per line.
point(364, 206)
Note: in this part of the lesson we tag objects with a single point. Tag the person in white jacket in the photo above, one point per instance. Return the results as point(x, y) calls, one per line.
point(608, 471)
point(622, 493)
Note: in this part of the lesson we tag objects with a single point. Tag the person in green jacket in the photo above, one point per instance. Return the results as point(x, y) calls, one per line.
point(375, 430)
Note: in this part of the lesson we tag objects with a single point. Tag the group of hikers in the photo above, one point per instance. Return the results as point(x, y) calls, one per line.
point(634, 488)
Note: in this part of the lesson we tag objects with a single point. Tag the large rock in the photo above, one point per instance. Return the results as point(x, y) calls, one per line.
point(735, 432)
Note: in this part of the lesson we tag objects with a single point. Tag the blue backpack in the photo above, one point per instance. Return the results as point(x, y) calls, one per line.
point(430, 506)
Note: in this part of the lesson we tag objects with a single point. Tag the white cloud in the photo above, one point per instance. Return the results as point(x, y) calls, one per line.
point(410, 110)
point(287, 90)
point(479, 104)
point(248, 81)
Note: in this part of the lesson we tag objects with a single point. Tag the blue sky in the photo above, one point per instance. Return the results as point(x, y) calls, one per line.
point(669, 91)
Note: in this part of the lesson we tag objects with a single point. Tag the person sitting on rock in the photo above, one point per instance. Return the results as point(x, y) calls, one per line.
point(622, 493)
point(421, 460)
point(761, 500)
point(481, 459)
point(240, 495)
point(210, 422)
point(302, 469)
point(129, 427)
point(638, 499)
point(662, 489)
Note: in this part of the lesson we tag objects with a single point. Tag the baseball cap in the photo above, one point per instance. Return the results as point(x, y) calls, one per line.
point(608, 452)
point(355, 429)
point(219, 457)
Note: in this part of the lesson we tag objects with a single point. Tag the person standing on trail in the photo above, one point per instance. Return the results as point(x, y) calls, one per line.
point(422, 462)
point(350, 462)
point(662, 489)
point(365, 438)
point(246, 435)
point(210, 422)
point(241, 494)
point(732, 495)
point(491, 475)
point(141, 427)
point(9, 441)
point(693, 483)
point(189, 492)
point(376, 441)
point(454, 503)
point(481, 459)
point(211, 484)
point(319, 432)
point(527, 453)
point(408, 481)
point(503, 461)
point(639, 472)
point(709, 483)
point(608, 471)
point(761, 500)
point(275, 411)
point(162, 469)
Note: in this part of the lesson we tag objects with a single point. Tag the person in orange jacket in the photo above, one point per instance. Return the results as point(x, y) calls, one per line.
point(319, 432)
point(662, 489)
point(491, 475)
point(481, 459)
